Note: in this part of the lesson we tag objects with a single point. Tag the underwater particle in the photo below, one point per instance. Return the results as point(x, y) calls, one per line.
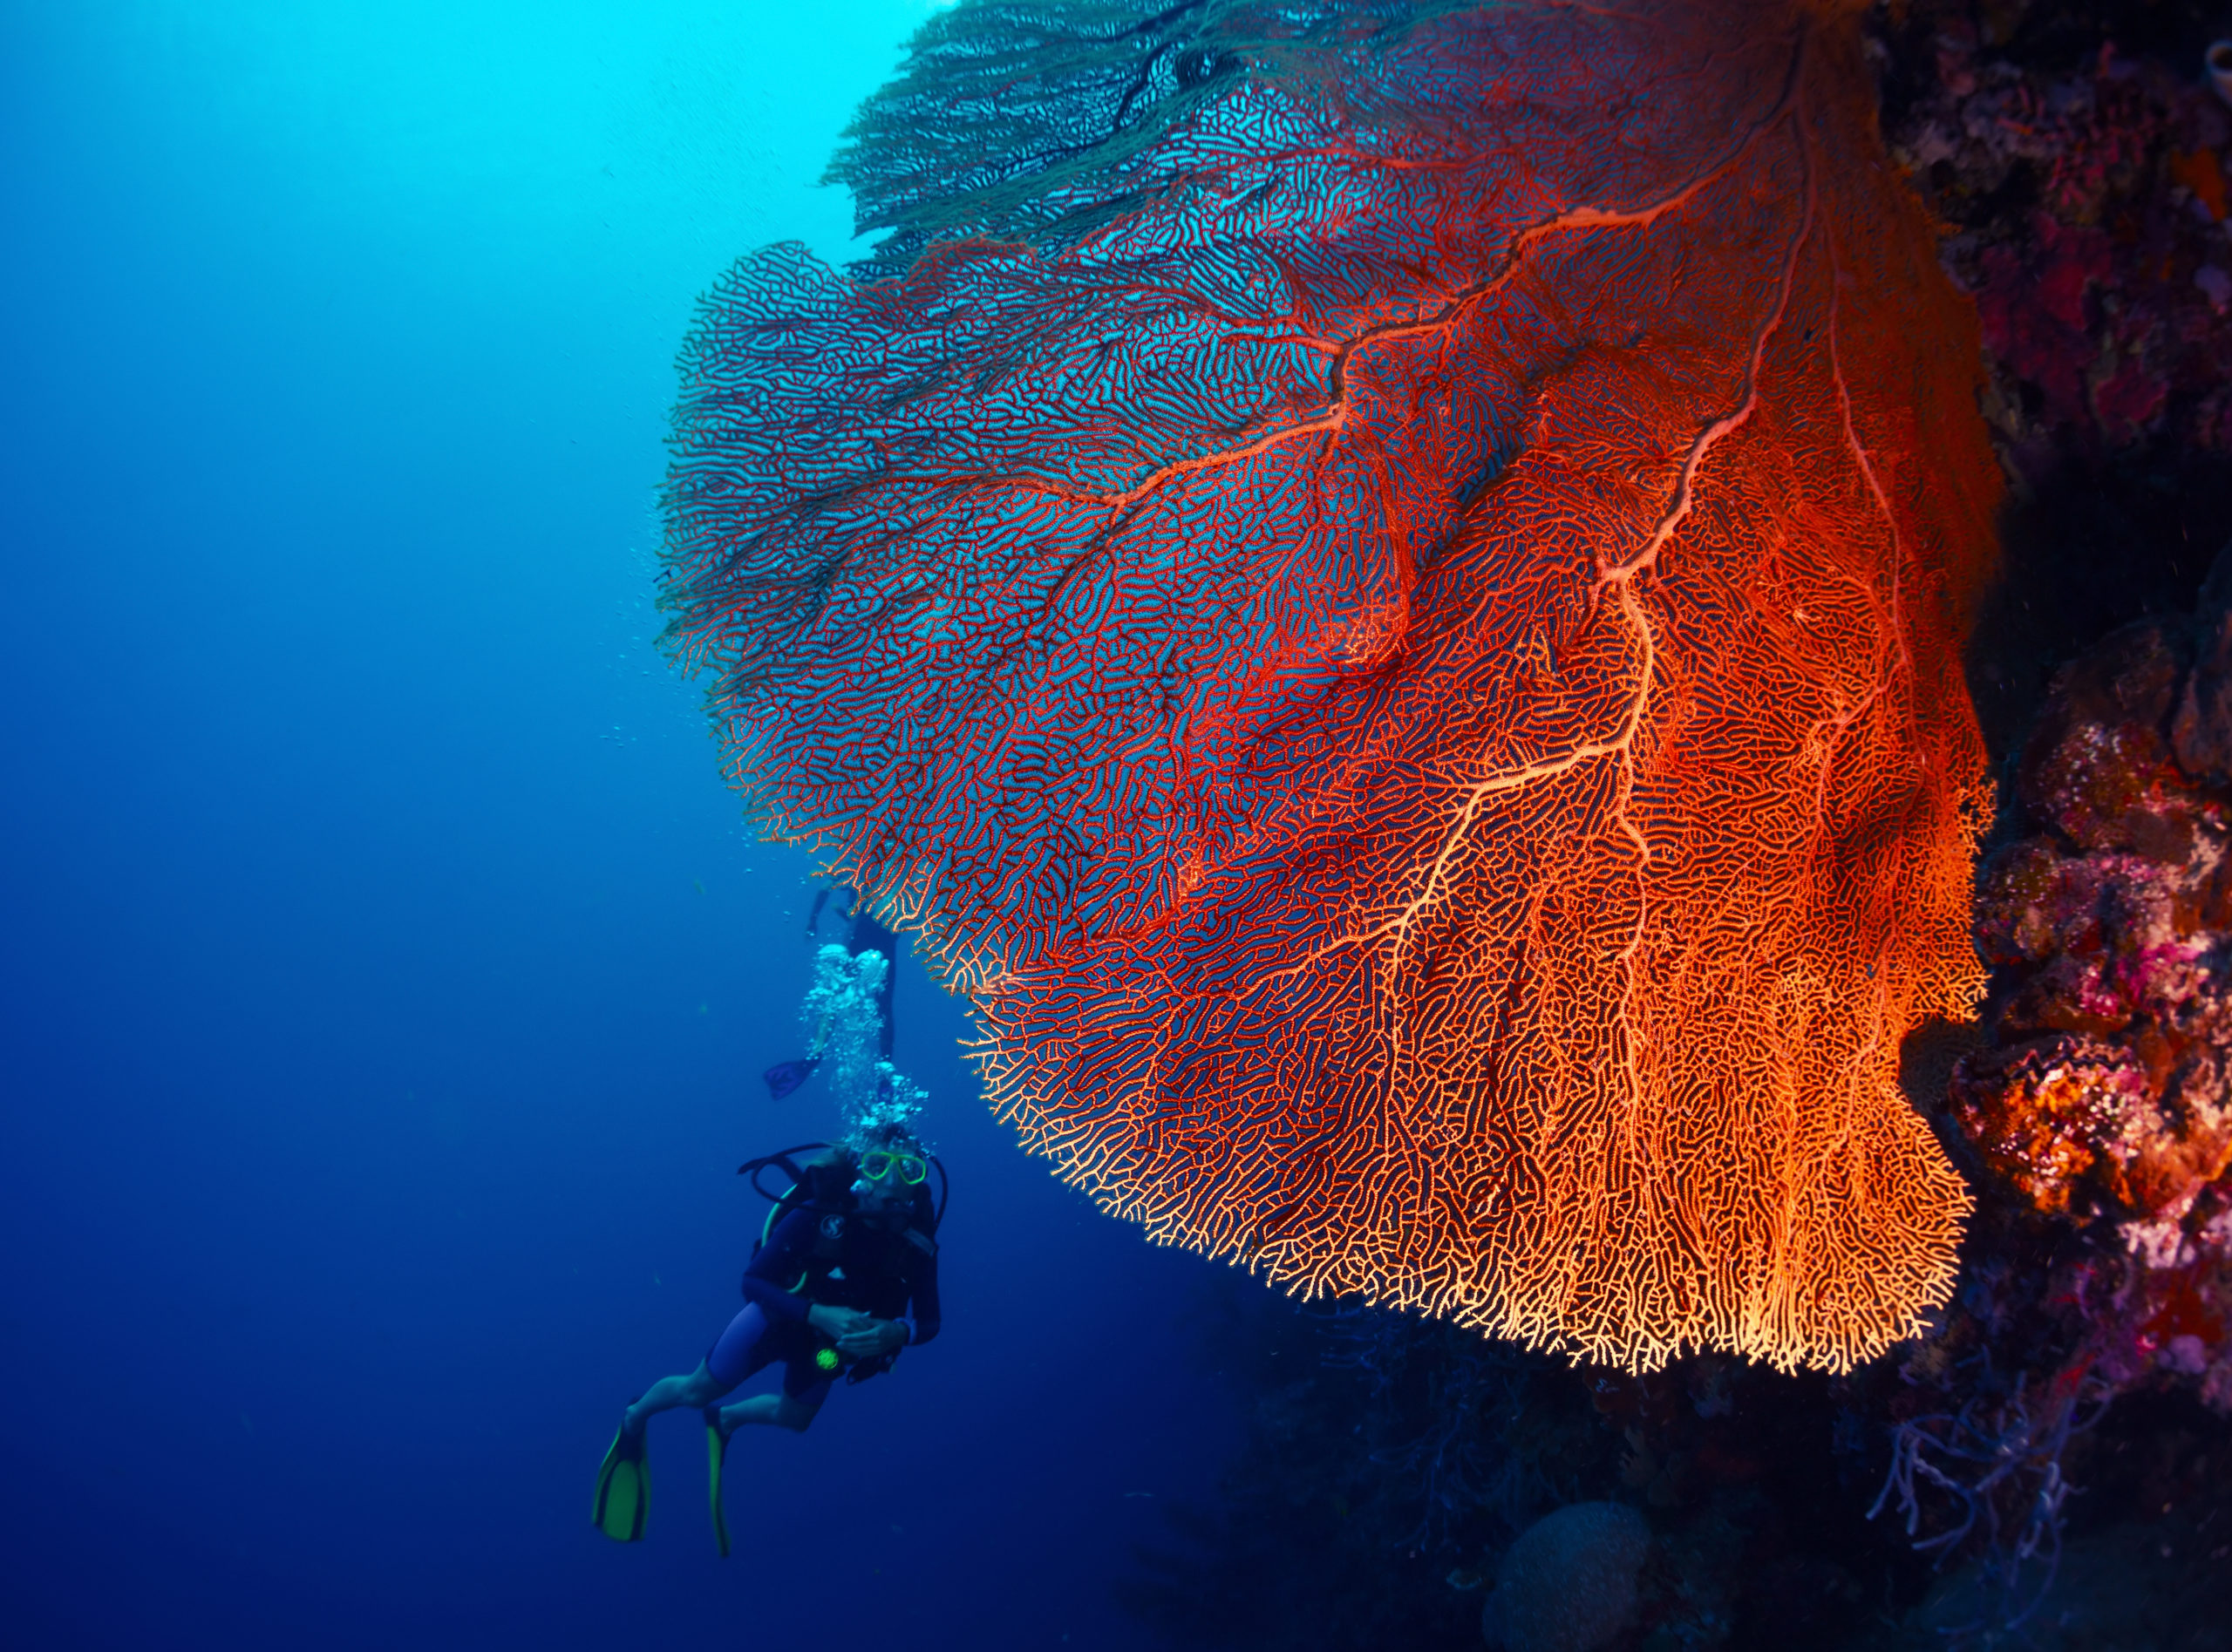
point(1568, 1583)
point(1394, 623)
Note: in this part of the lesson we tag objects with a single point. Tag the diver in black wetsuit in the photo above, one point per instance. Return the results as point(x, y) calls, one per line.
point(845, 1276)
point(844, 1280)
point(841, 1284)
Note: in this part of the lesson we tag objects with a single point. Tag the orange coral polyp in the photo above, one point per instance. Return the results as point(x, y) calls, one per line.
point(1474, 841)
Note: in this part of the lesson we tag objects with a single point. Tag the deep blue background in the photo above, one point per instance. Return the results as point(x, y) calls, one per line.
point(385, 970)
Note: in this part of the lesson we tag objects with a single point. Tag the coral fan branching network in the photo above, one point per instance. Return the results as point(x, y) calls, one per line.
point(1382, 584)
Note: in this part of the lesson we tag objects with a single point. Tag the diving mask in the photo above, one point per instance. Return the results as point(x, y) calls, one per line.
point(912, 1168)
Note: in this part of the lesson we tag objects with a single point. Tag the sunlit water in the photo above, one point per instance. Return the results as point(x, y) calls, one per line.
point(387, 974)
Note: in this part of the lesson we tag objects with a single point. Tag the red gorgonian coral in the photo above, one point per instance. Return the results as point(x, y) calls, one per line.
point(1382, 584)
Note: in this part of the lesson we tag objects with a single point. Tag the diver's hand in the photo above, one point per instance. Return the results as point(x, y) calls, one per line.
point(872, 1338)
point(838, 1324)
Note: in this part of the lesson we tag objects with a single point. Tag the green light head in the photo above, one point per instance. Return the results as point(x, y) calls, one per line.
point(826, 1358)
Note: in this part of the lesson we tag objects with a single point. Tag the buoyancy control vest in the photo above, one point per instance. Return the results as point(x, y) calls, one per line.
point(820, 1180)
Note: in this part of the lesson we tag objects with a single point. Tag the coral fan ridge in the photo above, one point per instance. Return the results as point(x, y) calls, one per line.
point(1419, 740)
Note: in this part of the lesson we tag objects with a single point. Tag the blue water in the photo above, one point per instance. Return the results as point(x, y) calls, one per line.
point(386, 968)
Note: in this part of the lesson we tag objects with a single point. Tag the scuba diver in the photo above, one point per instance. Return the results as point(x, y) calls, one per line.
point(845, 1275)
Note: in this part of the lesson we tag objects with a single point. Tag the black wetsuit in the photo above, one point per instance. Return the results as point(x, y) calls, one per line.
point(837, 1258)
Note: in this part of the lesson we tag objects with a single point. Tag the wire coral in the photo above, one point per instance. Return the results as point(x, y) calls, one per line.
point(1998, 1465)
point(1389, 607)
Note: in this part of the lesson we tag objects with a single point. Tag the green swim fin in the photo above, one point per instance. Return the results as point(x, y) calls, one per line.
point(717, 1451)
point(624, 1489)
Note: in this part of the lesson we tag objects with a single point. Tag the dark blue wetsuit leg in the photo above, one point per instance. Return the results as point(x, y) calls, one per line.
point(736, 1353)
point(751, 1341)
point(803, 1380)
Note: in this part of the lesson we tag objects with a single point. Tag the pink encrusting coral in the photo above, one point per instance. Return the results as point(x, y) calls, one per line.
point(2103, 294)
point(2106, 1100)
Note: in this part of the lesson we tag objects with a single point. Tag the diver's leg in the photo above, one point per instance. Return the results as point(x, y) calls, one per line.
point(726, 1363)
point(793, 1408)
point(698, 1387)
point(767, 1411)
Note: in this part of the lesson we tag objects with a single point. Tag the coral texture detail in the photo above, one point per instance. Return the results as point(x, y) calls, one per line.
point(2102, 300)
point(1400, 639)
point(2104, 1098)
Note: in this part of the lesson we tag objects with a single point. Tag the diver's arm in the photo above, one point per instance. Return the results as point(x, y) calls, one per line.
point(872, 1338)
point(777, 1268)
point(774, 1301)
point(843, 1326)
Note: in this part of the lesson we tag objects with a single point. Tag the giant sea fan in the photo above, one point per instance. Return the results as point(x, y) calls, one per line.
point(1382, 585)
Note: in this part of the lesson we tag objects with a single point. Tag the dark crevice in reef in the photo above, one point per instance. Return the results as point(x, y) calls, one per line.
point(2093, 545)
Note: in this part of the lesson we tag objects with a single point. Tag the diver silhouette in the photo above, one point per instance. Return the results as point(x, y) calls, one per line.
point(844, 1275)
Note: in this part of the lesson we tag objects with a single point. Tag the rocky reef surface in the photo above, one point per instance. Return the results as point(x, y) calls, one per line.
point(2103, 1103)
point(2075, 154)
point(2095, 1107)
